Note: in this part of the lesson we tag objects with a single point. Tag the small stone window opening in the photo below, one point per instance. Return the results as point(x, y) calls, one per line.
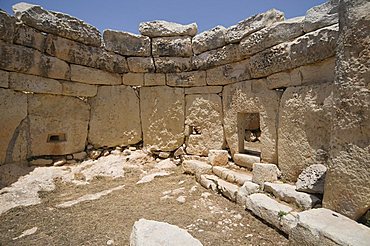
point(56, 138)
point(249, 133)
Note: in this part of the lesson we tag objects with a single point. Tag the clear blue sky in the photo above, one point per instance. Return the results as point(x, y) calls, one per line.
point(127, 14)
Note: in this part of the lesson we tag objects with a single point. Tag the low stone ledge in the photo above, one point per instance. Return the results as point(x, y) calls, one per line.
point(141, 64)
point(94, 76)
point(172, 46)
point(209, 40)
point(29, 37)
point(161, 28)
point(7, 27)
point(187, 79)
point(172, 64)
point(245, 160)
point(228, 74)
point(32, 83)
point(196, 167)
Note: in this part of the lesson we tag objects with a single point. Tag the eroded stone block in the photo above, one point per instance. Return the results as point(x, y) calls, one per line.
point(154, 79)
point(160, 28)
point(141, 64)
point(32, 83)
point(228, 74)
point(94, 76)
point(172, 64)
point(127, 44)
point(172, 47)
point(29, 37)
point(187, 79)
point(209, 40)
point(134, 79)
point(325, 14)
point(7, 26)
point(265, 172)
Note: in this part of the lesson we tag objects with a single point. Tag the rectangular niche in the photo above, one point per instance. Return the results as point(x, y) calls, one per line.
point(56, 138)
point(249, 133)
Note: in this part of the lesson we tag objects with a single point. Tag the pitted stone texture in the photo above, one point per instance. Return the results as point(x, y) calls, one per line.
point(265, 172)
point(252, 97)
point(236, 33)
point(154, 79)
point(196, 167)
point(304, 128)
point(320, 16)
point(141, 64)
point(275, 34)
point(57, 23)
point(172, 47)
point(187, 79)
point(161, 28)
point(326, 227)
point(204, 115)
point(162, 116)
point(29, 37)
point(13, 110)
point(68, 117)
point(245, 160)
point(78, 89)
point(229, 73)
point(4, 79)
point(7, 26)
point(172, 64)
point(347, 183)
point(94, 76)
point(127, 44)
point(133, 79)
point(32, 83)
point(312, 179)
point(115, 121)
point(209, 40)
point(218, 157)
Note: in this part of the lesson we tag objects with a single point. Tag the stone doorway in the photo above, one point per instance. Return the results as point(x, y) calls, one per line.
point(249, 133)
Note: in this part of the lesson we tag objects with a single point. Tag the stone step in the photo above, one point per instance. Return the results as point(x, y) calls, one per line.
point(219, 185)
point(288, 193)
point(245, 160)
point(233, 176)
point(196, 167)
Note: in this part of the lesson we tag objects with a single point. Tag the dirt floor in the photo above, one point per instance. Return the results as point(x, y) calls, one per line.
point(108, 221)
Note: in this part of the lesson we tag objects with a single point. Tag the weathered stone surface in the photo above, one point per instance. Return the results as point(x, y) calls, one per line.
point(347, 183)
point(248, 188)
point(172, 64)
point(204, 117)
point(265, 172)
point(218, 157)
point(275, 34)
point(160, 28)
point(64, 132)
point(162, 115)
point(254, 23)
point(78, 89)
point(237, 177)
point(229, 73)
point(13, 111)
point(320, 16)
point(32, 83)
point(111, 62)
point(4, 79)
point(57, 23)
point(154, 79)
point(288, 193)
point(115, 121)
point(94, 76)
point(326, 227)
point(284, 79)
point(209, 40)
point(133, 79)
point(251, 97)
point(7, 26)
point(150, 232)
point(196, 167)
point(127, 44)
point(227, 189)
point(227, 54)
point(29, 37)
point(186, 79)
point(172, 46)
point(312, 179)
point(141, 64)
point(203, 90)
point(245, 160)
point(304, 128)
point(208, 181)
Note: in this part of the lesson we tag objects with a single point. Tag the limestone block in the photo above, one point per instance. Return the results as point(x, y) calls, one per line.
point(172, 46)
point(172, 64)
point(4, 79)
point(162, 115)
point(245, 160)
point(111, 62)
point(232, 176)
point(141, 64)
point(30, 37)
point(160, 28)
point(228, 74)
point(284, 79)
point(304, 128)
point(312, 179)
point(203, 90)
point(227, 189)
point(133, 79)
point(265, 172)
point(78, 89)
point(186, 79)
point(32, 83)
point(227, 54)
point(127, 44)
point(115, 117)
point(7, 26)
point(94, 76)
point(196, 167)
point(325, 14)
point(248, 188)
point(254, 23)
point(13, 111)
point(325, 227)
point(204, 117)
point(347, 183)
point(277, 33)
point(64, 131)
point(209, 40)
point(217, 157)
point(154, 79)
point(57, 23)
point(252, 97)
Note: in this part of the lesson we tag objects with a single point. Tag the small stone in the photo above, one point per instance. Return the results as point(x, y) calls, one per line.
point(69, 157)
point(80, 155)
point(265, 172)
point(132, 148)
point(59, 163)
point(181, 199)
point(95, 154)
point(312, 179)
point(106, 152)
point(116, 152)
point(218, 157)
point(90, 147)
point(110, 242)
point(126, 152)
point(164, 155)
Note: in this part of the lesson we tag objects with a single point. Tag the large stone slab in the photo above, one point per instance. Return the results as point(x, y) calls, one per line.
point(30, 37)
point(347, 184)
point(204, 116)
point(326, 227)
point(252, 97)
point(141, 64)
point(57, 23)
point(58, 124)
point(115, 117)
point(127, 44)
point(304, 128)
point(186, 79)
point(162, 116)
point(94, 76)
point(13, 110)
point(32, 83)
point(209, 40)
point(78, 89)
point(312, 179)
point(229, 73)
point(161, 28)
point(172, 46)
point(325, 14)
